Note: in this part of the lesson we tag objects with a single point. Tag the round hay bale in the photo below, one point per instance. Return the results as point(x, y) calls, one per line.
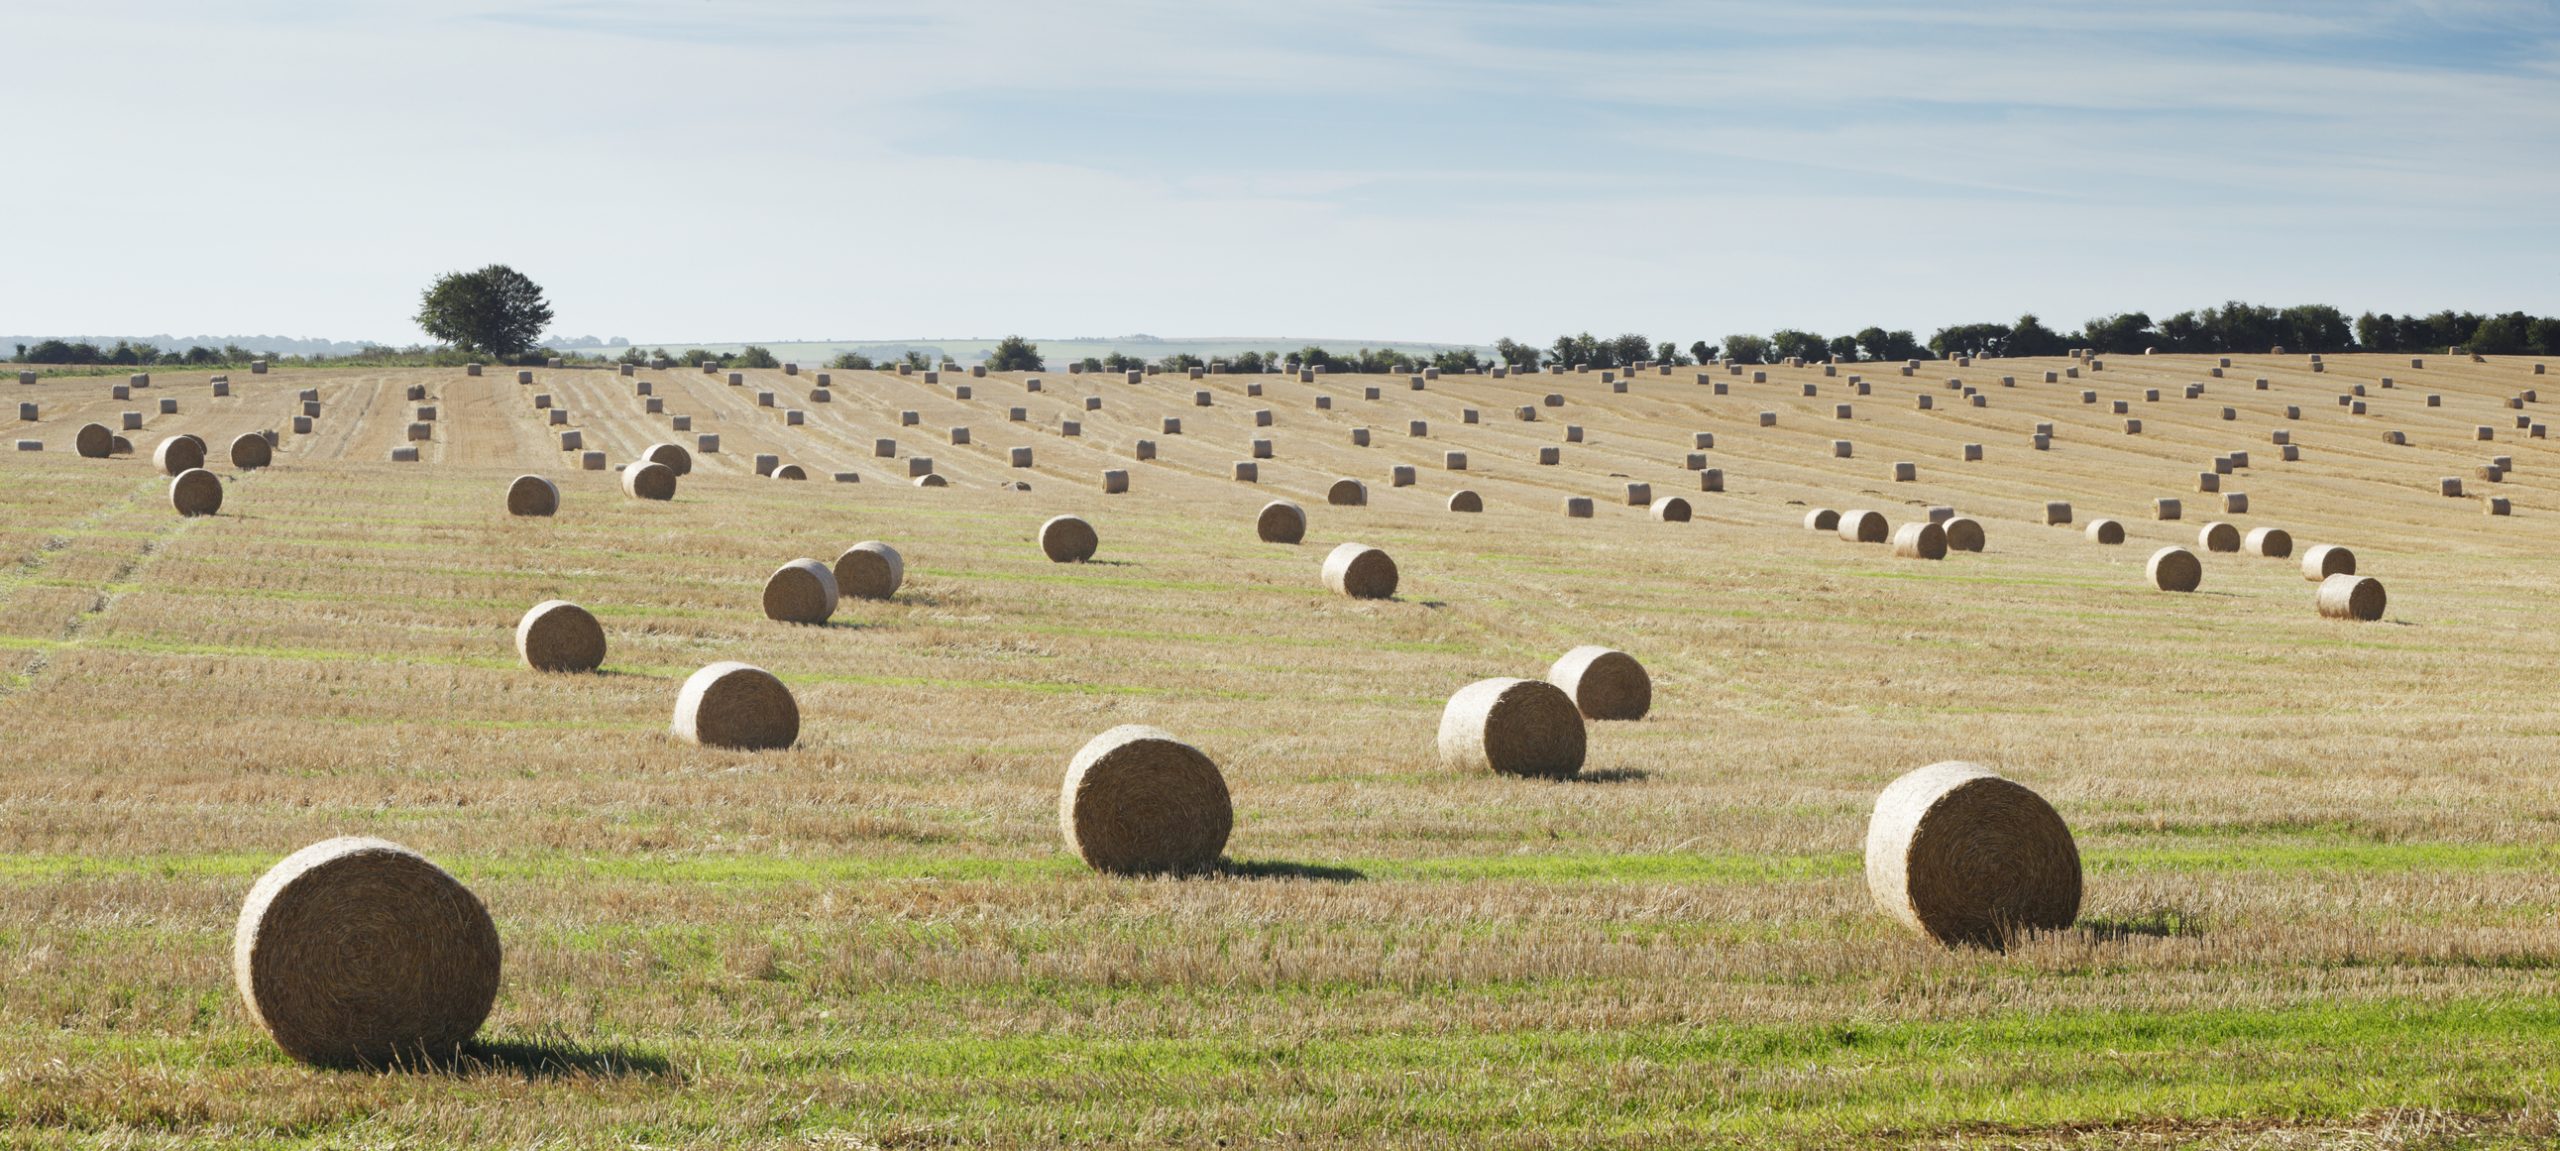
point(1863, 527)
point(358, 952)
point(1136, 801)
point(1347, 494)
point(1512, 726)
point(2325, 560)
point(1280, 522)
point(870, 570)
point(802, 591)
point(1671, 510)
point(178, 454)
point(1822, 520)
point(932, 480)
point(532, 496)
point(674, 456)
point(2219, 537)
point(560, 636)
point(1360, 571)
point(2347, 596)
point(1603, 683)
point(196, 492)
point(1920, 540)
point(1962, 855)
point(2273, 543)
point(2104, 531)
point(736, 705)
point(790, 472)
point(2175, 569)
point(1964, 534)
point(94, 441)
point(1068, 540)
point(252, 451)
point(1463, 500)
point(649, 480)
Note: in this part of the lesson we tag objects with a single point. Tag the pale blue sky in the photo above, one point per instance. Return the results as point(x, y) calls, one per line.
point(784, 169)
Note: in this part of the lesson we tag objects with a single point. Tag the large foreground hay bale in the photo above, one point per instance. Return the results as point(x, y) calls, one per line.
point(196, 492)
point(1920, 540)
point(1964, 534)
point(1360, 571)
point(358, 952)
point(2273, 543)
point(2355, 597)
point(1136, 800)
point(1859, 526)
point(1068, 540)
point(1603, 683)
point(1280, 522)
point(251, 451)
point(801, 591)
point(1512, 726)
point(94, 441)
point(560, 636)
point(736, 705)
point(532, 496)
point(870, 570)
point(2325, 560)
point(178, 454)
point(2175, 569)
point(673, 456)
point(1962, 855)
point(649, 481)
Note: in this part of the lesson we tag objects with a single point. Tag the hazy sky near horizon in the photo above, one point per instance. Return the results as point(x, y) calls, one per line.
point(796, 169)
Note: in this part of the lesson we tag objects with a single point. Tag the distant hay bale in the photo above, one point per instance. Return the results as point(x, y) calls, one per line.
point(560, 636)
point(1066, 539)
point(532, 496)
point(791, 472)
point(1859, 526)
point(1247, 472)
point(931, 480)
point(1138, 801)
point(196, 492)
point(677, 461)
point(649, 480)
point(1347, 494)
point(1822, 520)
point(2273, 543)
point(2105, 531)
point(801, 591)
point(94, 441)
point(736, 705)
point(1360, 571)
point(1963, 856)
point(178, 454)
point(1920, 540)
point(1671, 510)
point(1281, 522)
point(2057, 512)
point(2497, 506)
point(2175, 569)
point(2167, 508)
point(1964, 534)
point(2321, 561)
point(1604, 684)
point(1115, 481)
point(358, 952)
point(2348, 596)
point(2220, 537)
point(1514, 727)
point(1906, 472)
point(1463, 500)
point(524, 377)
point(1577, 507)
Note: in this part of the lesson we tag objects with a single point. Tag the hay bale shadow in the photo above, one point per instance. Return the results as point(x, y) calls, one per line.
point(553, 1059)
point(1612, 775)
point(2157, 923)
point(1282, 869)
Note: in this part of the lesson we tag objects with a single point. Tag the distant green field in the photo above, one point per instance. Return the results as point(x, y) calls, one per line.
point(1056, 352)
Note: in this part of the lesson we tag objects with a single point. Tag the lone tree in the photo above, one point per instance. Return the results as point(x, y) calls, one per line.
point(495, 311)
point(1014, 354)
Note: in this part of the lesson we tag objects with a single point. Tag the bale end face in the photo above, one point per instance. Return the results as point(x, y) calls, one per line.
point(1280, 522)
point(1068, 540)
point(1964, 856)
point(2175, 569)
point(532, 496)
point(649, 481)
point(1138, 801)
point(1361, 572)
point(1514, 727)
point(1964, 534)
point(560, 636)
point(196, 492)
point(358, 952)
point(251, 452)
point(736, 705)
point(870, 570)
point(1603, 683)
point(801, 591)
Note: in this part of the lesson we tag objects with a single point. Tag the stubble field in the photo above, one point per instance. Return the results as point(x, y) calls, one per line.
point(2321, 855)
